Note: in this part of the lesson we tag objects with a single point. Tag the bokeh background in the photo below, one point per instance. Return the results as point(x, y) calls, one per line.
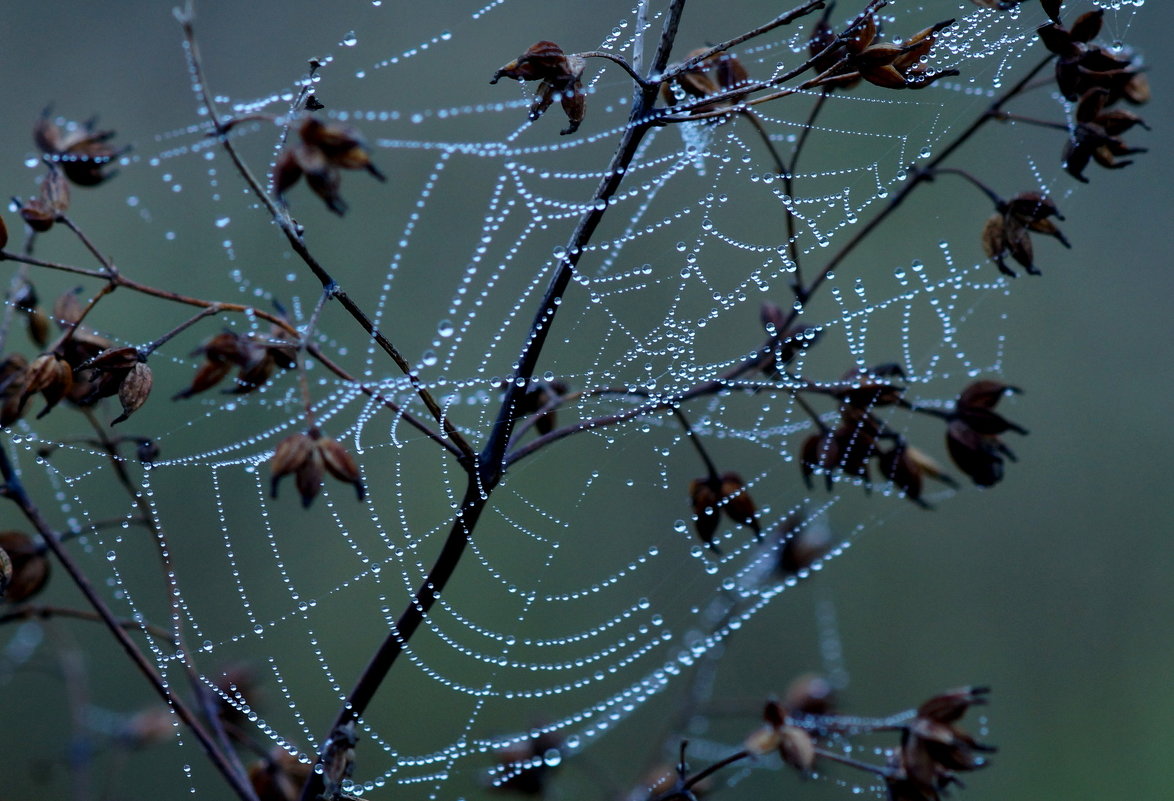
point(1052, 588)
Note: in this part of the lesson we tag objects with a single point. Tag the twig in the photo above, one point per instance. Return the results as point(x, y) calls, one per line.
point(42, 612)
point(293, 235)
point(15, 491)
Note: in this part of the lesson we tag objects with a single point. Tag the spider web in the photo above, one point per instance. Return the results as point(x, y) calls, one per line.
point(585, 595)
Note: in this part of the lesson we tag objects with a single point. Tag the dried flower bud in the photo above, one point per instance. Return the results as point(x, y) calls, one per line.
point(6, 571)
point(560, 77)
point(82, 152)
point(133, 391)
point(29, 567)
point(323, 149)
point(13, 379)
point(738, 503)
point(309, 457)
point(797, 748)
point(794, 745)
point(278, 777)
point(208, 375)
point(340, 464)
point(51, 376)
point(68, 308)
point(809, 694)
point(804, 541)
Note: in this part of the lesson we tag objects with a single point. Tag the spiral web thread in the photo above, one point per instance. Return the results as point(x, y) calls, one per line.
point(585, 593)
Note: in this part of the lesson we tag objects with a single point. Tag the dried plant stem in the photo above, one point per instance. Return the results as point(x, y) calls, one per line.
point(786, 18)
point(108, 266)
point(121, 280)
point(974, 181)
point(15, 491)
point(915, 180)
point(789, 187)
point(616, 58)
point(44, 612)
point(294, 236)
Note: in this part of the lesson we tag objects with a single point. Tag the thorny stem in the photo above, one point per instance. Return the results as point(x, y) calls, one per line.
point(293, 235)
point(14, 490)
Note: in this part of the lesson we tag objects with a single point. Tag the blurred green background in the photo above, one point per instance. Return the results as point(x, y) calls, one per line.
point(1052, 588)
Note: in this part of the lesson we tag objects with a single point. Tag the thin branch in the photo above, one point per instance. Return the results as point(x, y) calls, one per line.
point(916, 178)
point(623, 62)
point(43, 612)
point(293, 235)
point(786, 18)
point(107, 264)
point(154, 345)
point(237, 308)
point(789, 187)
point(14, 490)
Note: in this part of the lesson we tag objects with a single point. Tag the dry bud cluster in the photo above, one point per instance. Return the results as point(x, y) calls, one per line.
point(322, 150)
point(309, 458)
point(560, 76)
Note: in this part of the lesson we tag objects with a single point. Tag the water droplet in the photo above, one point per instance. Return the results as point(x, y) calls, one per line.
point(350, 40)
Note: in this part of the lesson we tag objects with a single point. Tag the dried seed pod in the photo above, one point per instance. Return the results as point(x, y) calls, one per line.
point(133, 391)
point(809, 694)
point(794, 745)
point(13, 379)
point(340, 464)
point(738, 503)
point(560, 75)
point(323, 150)
point(310, 457)
point(804, 542)
point(68, 308)
point(797, 748)
point(30, 567)
point(51, 376)
point(6, 571)
point(704, 494)
point(82, 151)
point(278, 777)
